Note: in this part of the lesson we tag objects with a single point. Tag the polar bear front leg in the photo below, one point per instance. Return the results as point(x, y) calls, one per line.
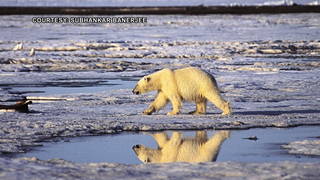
point(219, 102)
point(160, 101)
point(160, 138)
point(149, 110)
point(176, 105)
point(175, 139)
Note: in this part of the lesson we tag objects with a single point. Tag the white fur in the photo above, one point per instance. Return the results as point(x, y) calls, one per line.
point(187, 84)
point(178, 149)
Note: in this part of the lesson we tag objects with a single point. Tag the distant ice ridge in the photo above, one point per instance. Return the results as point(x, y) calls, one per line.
point(109, 56)
point(279, 3)
point(314, 3)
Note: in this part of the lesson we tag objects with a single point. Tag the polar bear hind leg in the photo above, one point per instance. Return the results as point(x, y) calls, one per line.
point(216, 99)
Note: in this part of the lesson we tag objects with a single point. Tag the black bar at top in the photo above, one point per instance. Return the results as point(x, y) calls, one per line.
point(160, 10)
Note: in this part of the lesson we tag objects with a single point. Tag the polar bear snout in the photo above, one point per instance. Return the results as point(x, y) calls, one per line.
point(135, 90)
point(136, 146)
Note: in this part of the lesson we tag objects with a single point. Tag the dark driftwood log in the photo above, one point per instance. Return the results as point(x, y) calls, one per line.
point(21, 106)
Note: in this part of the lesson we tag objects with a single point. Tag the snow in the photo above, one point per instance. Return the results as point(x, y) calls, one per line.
point(267, 66)
point(31, 168)
point(306, 147)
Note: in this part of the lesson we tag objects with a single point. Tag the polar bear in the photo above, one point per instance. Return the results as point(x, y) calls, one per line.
point(186, 84)
point(178, 149)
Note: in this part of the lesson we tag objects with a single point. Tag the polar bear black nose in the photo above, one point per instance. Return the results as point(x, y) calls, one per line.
point(136, 146)
point(135, 92)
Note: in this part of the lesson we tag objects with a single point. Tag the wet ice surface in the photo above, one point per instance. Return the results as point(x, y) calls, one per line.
point(168, 28)
point(71, 86)
point(305, 147)
point(266, 66)
point(118, 148)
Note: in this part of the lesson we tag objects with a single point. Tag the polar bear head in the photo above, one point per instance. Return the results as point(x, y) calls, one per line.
point(144, 85)
point(178, 149)
point(147, 155)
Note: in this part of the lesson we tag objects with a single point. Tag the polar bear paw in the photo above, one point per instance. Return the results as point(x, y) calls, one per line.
point(148, 111)
point(172, 113)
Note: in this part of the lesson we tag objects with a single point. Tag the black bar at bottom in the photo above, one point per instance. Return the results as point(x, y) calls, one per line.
point(195, 10)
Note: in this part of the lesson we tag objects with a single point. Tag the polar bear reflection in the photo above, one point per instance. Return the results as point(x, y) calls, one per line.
point(178, 149)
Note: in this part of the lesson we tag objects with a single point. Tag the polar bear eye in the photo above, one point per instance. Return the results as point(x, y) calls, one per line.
point(147, 79)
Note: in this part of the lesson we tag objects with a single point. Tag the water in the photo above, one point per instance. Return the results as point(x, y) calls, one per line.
point(73, 87)
point(118, 148)
point(51, 88)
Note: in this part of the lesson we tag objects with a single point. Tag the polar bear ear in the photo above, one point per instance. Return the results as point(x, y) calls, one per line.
point(147, 79)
